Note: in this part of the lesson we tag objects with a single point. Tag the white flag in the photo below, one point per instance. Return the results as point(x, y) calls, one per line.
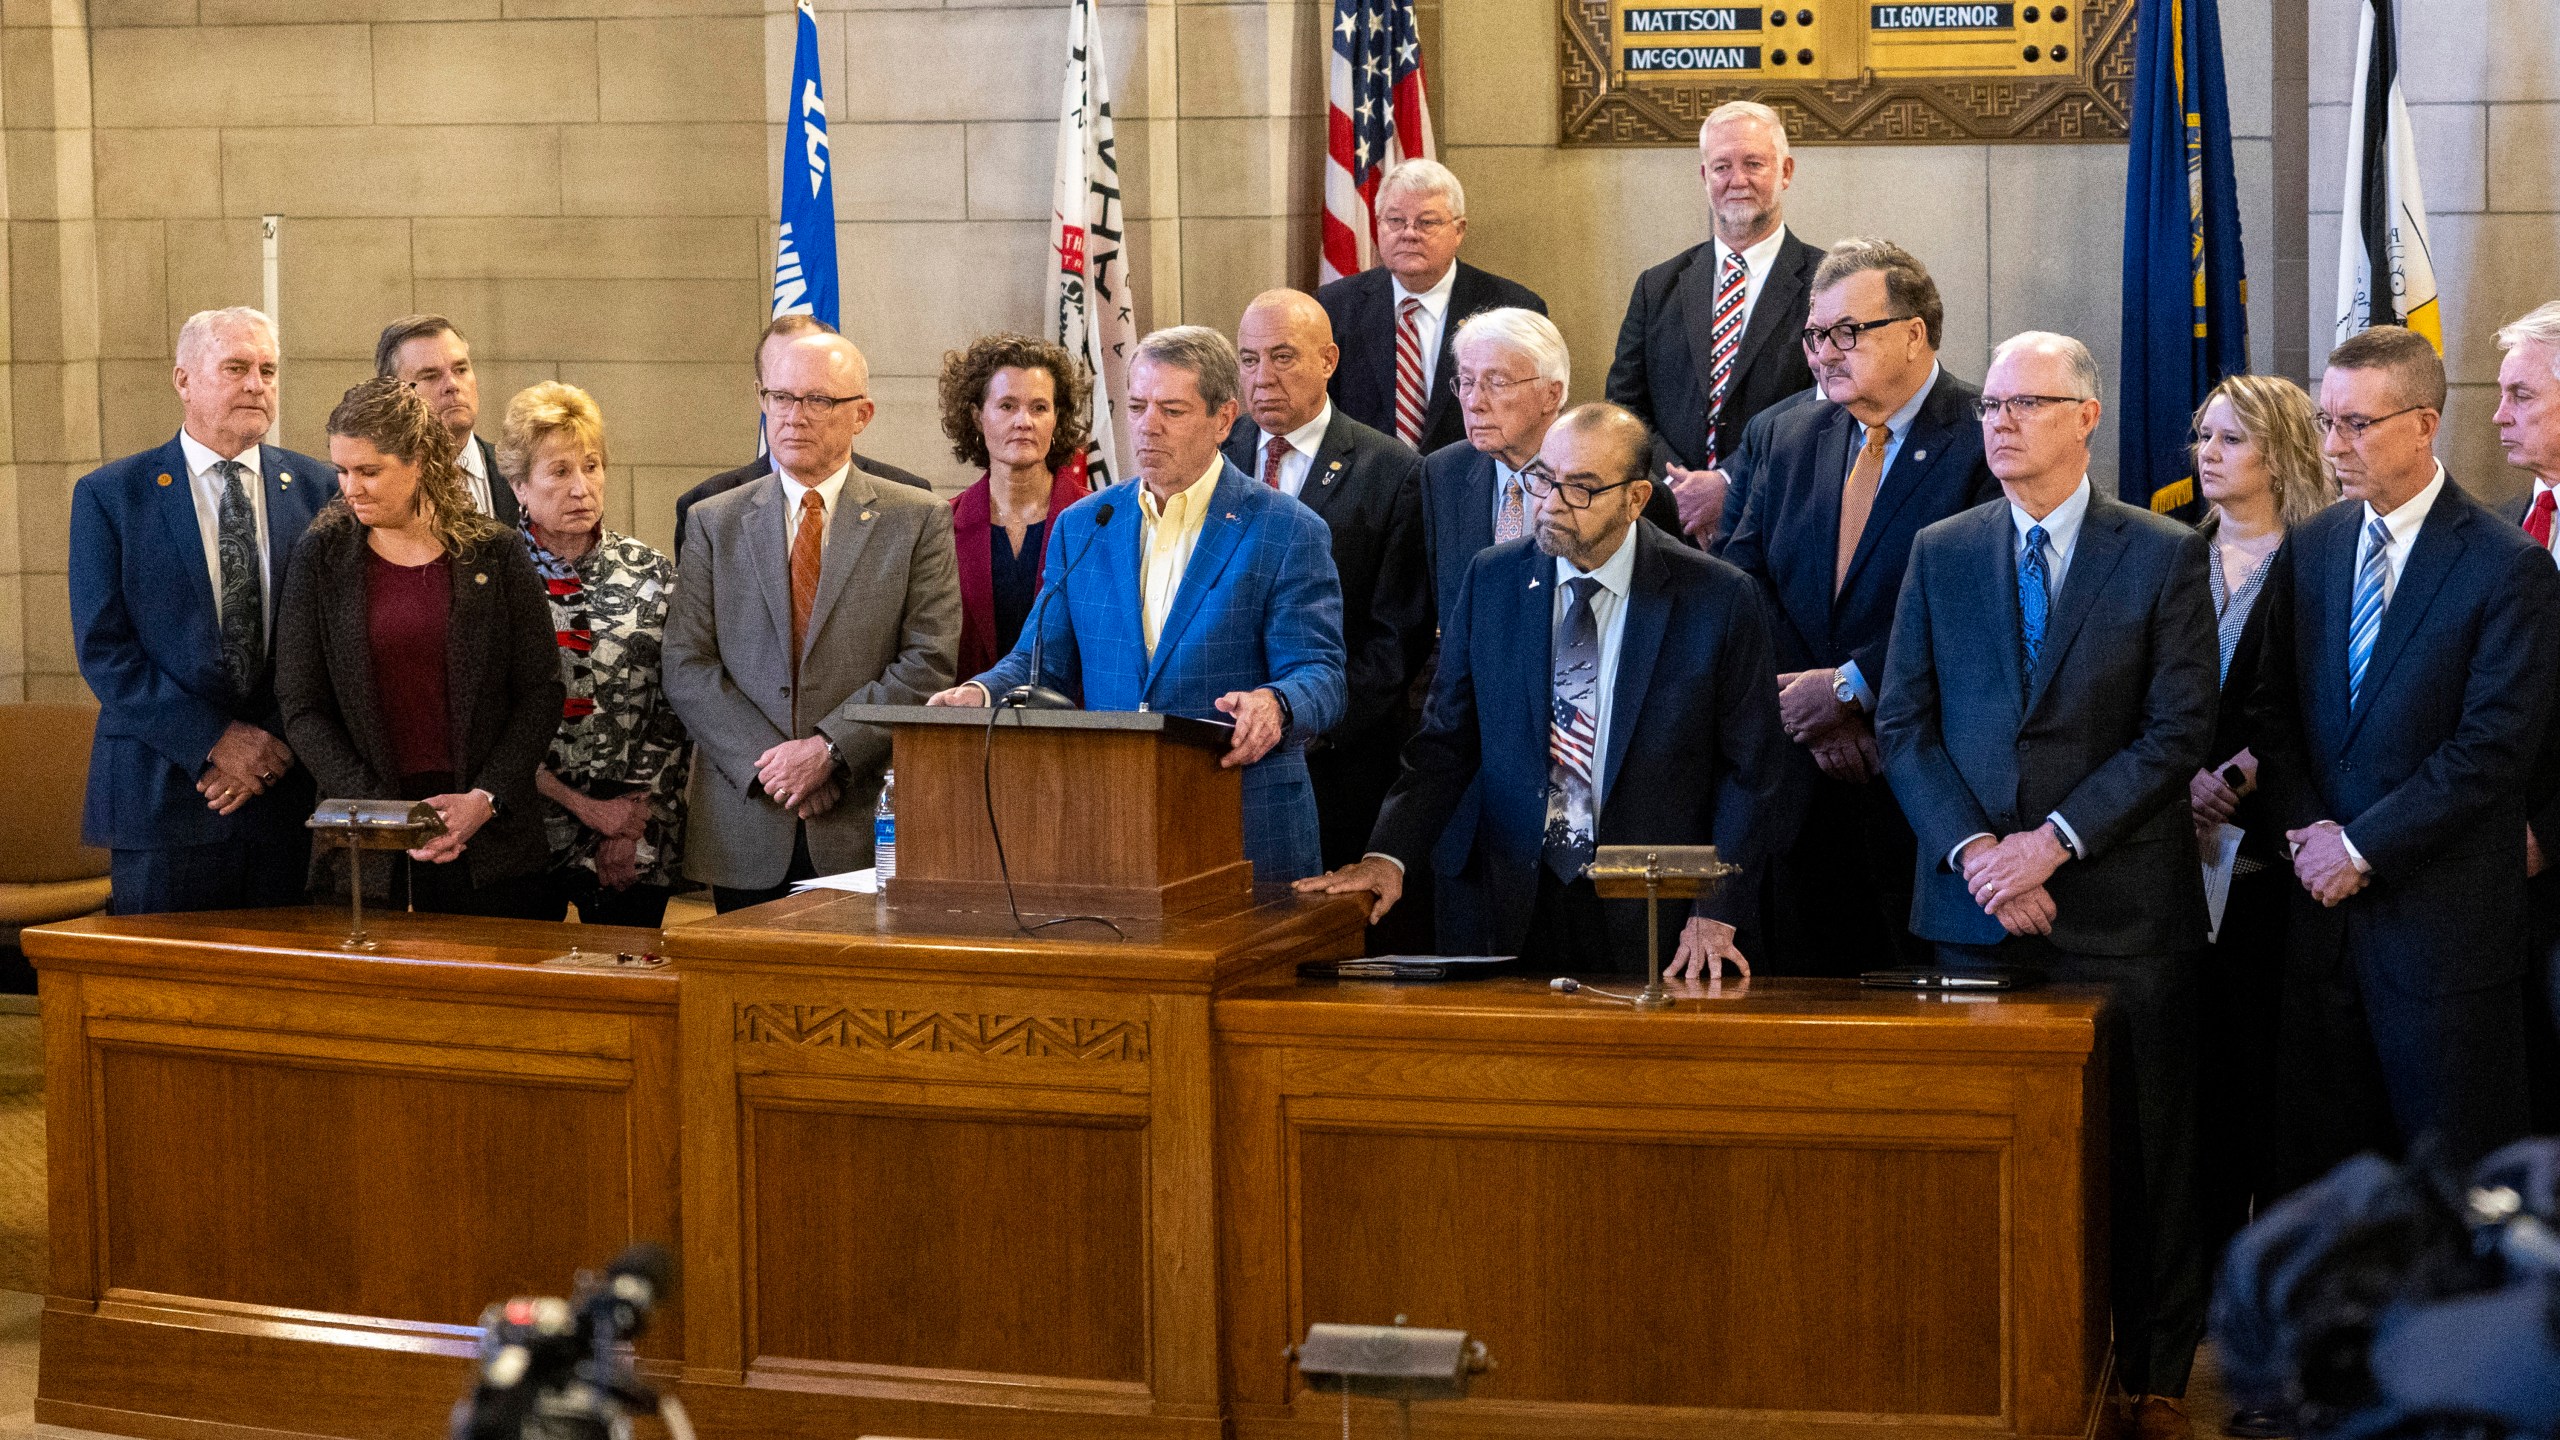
point(2386, 271)
point(1089, 306)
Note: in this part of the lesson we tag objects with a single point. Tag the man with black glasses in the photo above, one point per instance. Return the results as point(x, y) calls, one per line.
point(1827, 534)
point(1643, 695)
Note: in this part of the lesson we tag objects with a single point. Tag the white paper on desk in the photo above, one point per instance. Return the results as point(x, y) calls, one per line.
point(2217, 877)
point(852, 882)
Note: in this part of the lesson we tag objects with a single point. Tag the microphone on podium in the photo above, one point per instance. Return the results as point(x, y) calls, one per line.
point(1031, 694)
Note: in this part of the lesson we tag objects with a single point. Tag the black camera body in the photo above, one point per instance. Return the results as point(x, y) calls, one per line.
point(554, 1369)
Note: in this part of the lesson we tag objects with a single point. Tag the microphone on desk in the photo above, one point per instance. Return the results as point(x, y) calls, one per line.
point(1031, 694)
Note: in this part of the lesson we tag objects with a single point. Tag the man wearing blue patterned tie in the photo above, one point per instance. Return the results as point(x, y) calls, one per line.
point(2411, 640)
point(2049, 688)
point(1611, 686)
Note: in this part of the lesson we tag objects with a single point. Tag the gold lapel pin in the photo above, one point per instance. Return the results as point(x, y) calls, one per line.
point(164, 479)
point(479, 579)
point(285, 481)
point(866, 514)
point(1920, 455)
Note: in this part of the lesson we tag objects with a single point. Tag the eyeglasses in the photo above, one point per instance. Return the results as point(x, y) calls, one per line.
point(783, 402)
point(1493, 386)
point(1541, 482)
point(2357, 425)
point(1423, 225)
point(2021, 408)
point(1844, 336)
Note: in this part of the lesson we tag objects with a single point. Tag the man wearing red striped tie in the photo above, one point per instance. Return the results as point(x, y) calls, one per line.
point(1710, 338)
point(2528, 421)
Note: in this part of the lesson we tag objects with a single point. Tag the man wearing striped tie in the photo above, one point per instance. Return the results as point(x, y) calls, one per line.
point(2411, 642)
point(1710, 338)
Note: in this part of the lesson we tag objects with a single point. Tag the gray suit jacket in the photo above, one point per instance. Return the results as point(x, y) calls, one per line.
point(884, 630)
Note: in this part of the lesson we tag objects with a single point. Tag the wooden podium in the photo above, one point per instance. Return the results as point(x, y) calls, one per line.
point(1102, 812)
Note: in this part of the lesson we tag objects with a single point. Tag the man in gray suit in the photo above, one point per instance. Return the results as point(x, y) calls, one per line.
point(805, 592)
point(2049, 687)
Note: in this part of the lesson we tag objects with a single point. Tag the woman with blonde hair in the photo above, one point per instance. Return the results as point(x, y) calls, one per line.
point(2258, 464)
point(614, 780)
point(414, 662)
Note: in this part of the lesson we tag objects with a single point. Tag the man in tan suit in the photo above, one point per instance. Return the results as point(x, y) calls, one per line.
point(805, 592)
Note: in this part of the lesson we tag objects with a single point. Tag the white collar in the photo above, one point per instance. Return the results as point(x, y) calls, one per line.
point(471, 460)
point(1616, 574)
point(2404, 521)
point(1435, 299)
point(1306, 437)
point(1762, 254)
point(828, 489)
point(2061, 525)
point(202, 457)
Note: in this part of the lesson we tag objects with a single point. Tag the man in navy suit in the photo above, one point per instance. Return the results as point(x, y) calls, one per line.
point(1395, 319)
point(1846, 487)
point(2049, 688)
point(1711, 334)
point(1608, 686)
point(178, 559)
point(1367, 488)
point(2410, 646)
point(1212, 595)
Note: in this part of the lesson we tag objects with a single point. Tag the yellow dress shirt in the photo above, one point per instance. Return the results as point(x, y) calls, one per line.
point(1171, 531)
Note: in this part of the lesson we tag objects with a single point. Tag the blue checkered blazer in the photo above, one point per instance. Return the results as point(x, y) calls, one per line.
point(1259, 606)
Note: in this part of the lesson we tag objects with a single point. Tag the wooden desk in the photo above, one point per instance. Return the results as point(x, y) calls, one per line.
point(1800, 1209)
point(286, 1179)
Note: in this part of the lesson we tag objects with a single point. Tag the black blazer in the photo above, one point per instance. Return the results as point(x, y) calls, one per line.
point(2231, 731)
point(502, 679)
point(2108, 730)
point(1666, 347)
point(1367, 488)
point(1362, 308)
point(2432, 774)
point(502, 496)
point(1693, 732)
point(2545, 799)
point(1742, 468)
point(1790, 541)
point(761, 466)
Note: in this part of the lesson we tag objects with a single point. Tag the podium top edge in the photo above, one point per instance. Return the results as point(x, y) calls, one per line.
point(1181, 728)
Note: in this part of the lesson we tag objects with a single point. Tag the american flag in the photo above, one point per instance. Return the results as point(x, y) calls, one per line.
point(1377, 120)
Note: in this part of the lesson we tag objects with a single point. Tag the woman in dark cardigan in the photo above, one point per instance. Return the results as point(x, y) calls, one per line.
point(415, 661)
point(1015, 407)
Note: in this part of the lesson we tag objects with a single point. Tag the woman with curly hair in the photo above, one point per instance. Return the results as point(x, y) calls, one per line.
point(414, 661)
point(615, 778)
point(1015, 407)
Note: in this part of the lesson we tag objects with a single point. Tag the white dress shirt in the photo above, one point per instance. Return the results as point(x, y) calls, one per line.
point(1428, 324)
point(1896, 426)
point(1761, 258)
point(475, 476)
point(1302, 452)
point(205, 487)
point(828, 489)
point(2061, 538)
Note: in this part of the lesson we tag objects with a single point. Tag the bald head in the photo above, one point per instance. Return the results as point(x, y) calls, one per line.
point(1591, 469)
point(816, 399)
point(1284, 356)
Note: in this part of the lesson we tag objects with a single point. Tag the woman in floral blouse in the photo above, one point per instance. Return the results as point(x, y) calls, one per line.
point(615, 776)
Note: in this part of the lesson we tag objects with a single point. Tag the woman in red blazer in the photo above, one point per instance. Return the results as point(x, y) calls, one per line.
point(1016, 407)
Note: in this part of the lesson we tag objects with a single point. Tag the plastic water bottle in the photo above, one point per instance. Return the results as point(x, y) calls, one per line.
point(884, 826)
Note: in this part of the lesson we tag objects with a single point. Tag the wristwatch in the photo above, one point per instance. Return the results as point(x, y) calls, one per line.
point(834, 755)
point(1841, 690)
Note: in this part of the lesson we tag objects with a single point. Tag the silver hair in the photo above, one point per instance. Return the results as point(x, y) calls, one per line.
point(1207, 354)
point(2084, 366)
point(198, 333)
point(1426, 177)
point(2539, 326)
point(1526, 331)
point(1745, 110)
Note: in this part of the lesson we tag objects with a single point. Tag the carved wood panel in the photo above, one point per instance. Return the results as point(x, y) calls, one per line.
point(1039, 1037)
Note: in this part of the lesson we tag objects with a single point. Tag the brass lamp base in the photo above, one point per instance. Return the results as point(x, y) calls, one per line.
point(363, 825)
point(1682, 872)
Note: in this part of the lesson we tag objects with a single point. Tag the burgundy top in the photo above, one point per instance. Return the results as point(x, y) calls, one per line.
point(406, 607)
point(972, 526)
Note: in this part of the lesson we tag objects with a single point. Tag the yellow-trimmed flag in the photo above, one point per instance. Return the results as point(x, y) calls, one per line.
point(2386, 268)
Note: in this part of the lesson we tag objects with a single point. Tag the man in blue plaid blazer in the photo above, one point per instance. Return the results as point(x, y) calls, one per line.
point(1195, 590)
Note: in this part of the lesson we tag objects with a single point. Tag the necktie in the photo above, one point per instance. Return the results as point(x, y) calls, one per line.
point(808, 547)
point(1573, 733)
point(1858, 501)
point(2365, 622)
point(1513, 522)
point(1731, 286)
point(1409, 396)
point(1272, 455)
point(244, 621)
point(2537, 521)
point(2035, 599)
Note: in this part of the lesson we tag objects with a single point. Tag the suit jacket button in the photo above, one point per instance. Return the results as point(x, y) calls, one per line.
point(2346, 765)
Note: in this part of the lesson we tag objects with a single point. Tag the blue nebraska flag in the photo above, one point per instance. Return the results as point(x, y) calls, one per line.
point(804, 254)
point(2186, 322)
